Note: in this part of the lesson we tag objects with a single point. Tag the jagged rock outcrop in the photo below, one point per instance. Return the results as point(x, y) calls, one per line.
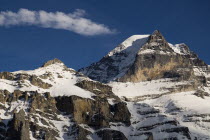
point(111, 135)
point(43, 102)
point(42, 110)
point(21, 77)
point(101, 90)
point(121, 113)
point(50, 62)
point(96, 113)
point(38, 82)
point(82, 109)
point(18, 127)
point(6, 75)
point(4, 95)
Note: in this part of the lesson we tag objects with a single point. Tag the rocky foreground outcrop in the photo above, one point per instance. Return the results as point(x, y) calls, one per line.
point(41, 111)
point(27, 115)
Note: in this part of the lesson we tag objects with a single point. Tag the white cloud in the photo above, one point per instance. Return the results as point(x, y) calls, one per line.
point(75, 22)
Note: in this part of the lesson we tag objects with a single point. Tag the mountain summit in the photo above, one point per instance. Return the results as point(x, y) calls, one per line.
point(50, 62)
point(142, 57)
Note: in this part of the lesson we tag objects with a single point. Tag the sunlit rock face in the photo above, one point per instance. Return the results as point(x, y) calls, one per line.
point(156, 59)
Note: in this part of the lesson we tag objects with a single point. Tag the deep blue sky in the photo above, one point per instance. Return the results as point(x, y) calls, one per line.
point(28, 47)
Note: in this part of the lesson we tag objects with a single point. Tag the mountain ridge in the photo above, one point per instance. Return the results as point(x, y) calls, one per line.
point(145, 89)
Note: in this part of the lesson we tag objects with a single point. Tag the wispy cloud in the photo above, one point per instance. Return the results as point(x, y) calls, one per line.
point(75, 22)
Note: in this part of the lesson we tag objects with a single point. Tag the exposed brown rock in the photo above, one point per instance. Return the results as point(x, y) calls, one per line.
point(45, 76)
point(19, 127)
point(108, 134)
point(101, 90)
point(85, 111)
point(38, 82)
point(4, 95)
point(201, 94)
point(39, 132)
point(50, 62)
point(6, 75)
point(121, 113)
point(96, 113)
point(153, 66)
point(43, 102)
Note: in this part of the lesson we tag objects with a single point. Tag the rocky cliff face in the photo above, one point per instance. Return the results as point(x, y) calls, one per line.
point(155, 60)
point(144, 89)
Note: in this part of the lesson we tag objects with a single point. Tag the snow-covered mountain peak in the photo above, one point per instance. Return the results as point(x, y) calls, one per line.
point(142, 57)
point(156, 44)
point(128, 42)
point(131, 44)
point(117, 62)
